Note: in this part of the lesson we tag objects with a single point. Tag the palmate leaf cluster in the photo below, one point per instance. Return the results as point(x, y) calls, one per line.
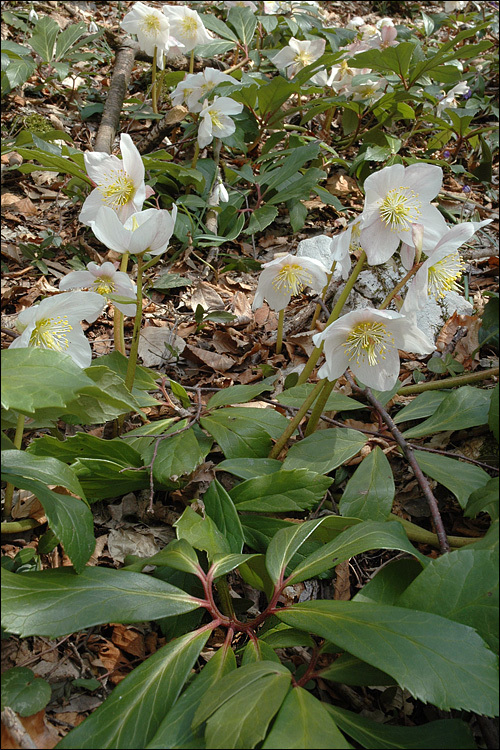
point(426, 626)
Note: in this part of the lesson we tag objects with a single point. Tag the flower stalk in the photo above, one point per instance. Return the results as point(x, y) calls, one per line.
point(294, 423)
point(472, 377)
point(134, 347)
point(18, 440)
point(279, 336)
point(319, 407)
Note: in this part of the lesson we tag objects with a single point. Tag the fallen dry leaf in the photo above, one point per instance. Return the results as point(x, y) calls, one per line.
point(218, 362)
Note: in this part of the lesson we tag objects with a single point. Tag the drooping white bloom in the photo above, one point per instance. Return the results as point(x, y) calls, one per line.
point(367, 341)
point(395, 198)
point(220, 193)
point(33, 16)
point(343, 245)
point(368, 91)
point(93, 28)
point(119, 183)
point(355, 23)
point(152, 28)
point(285, 276)
point(449, 100)
point(55, 324)
point(241, 4)
point(186, 26)
point(105, 280)
point(147, 231)
point(444, 266)
point(215, 121)
point(452, 5)
point(297, 55)
point(198, 86)
point(271, 8)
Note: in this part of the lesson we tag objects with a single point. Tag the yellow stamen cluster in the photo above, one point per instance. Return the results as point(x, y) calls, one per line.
point(50, 333)
point(118, 189)
point(215, 117)
point(104, 286)
point(304, 58)
point(400, 208)
point(442, 275)
point(369, 339)
point(190, 27)
point(292, 279)
point(151, 24)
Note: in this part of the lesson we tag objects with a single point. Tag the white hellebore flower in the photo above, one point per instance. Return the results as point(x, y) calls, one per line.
point(367, 91)
point(297, 55)
point(285, 276)
point(186, 26)
point(55, 324)
point(451, 5)
point(105, 280)
point(148, 231)
point(196, 86)
point(395, 198)
point(119, 183)
point(449, 100)
point(33, 16)
point(444, 266)
point(367, 341)
point(220, 194)
point(214, 120)
point(152, 28)
point(241, 4)
point(93, 28)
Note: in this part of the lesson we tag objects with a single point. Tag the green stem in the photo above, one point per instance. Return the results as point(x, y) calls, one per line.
point(319, 407)
point(279, 337)
point(399, 286)
point(294, 423)
point(311, 363)
point(132, 357)
point(195, 155)
point(118, 317)
point(417, 534)
point(226, 601)
point(436, 385)
point(323, 295)
point(17, 527)
point(191, 62)
point(154, 90)
point(18, 441)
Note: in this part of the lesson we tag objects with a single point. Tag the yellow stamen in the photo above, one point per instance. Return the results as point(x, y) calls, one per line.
point(215, 117)
point(304, 58)
point(400, 209)
point(443, 274)
point(151, 25)
point(190, 27)
point(103, 285)
point(368, 339)
point(292, 279)
point(50, 333)
point(118, 189)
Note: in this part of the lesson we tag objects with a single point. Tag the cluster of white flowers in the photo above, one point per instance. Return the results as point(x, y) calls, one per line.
point(397, 211)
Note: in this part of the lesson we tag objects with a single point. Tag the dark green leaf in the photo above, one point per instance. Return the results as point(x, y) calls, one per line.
point(349, 670)
point(44, 37)
point(463, 408)
point(68, 37)
point(390, 582)
point(423, 406)
point(261, 218)
point(485, 500)
point(285, 544)
point(369, 493)
point(336, 401)
point(240, 394)
point(361, 538)
point(23, 692)
point(493, 414)
point(325, 450)
point(303, 722)
point(131, 716)
point(254, 694)
point(280, 492)
point(220, 508)
point(439, 661)
point(175, 729)
point(201, 533)
point(445, 734)
point(57, 602)
point(462, 586)
point(47, 470)
point(248, 468)
point(459, 477)
point(177, 455)
point(244, 21)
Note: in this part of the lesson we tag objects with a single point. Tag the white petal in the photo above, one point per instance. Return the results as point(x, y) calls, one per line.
point(97, 163)
point(132, 160)
point(434, 227)
point(407, 254)
point(425, 179)
point(91, 206)
point(109, 230)
point(378, 242)
point(205, 135)
point(410, 338)
point(382, 376)
point(76, 280)
point(384, 180)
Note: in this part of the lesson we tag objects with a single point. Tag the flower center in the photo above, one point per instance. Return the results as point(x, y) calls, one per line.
point(118, 189)
point(50, 333)
point(355, 236)
point(292, 279)
point(190, 27)
point(151, 25)
point(400, 209)
point(215, 117)
point(368, 340)
point(442, 275)
point(103, 285)
point(304, 58)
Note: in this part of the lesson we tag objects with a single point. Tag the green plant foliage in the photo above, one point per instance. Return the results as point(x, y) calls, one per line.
point(280, 492)
point(23, 692)
point(325, 450)
point(463, 408)
point(461, 481)
point(369, 493)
